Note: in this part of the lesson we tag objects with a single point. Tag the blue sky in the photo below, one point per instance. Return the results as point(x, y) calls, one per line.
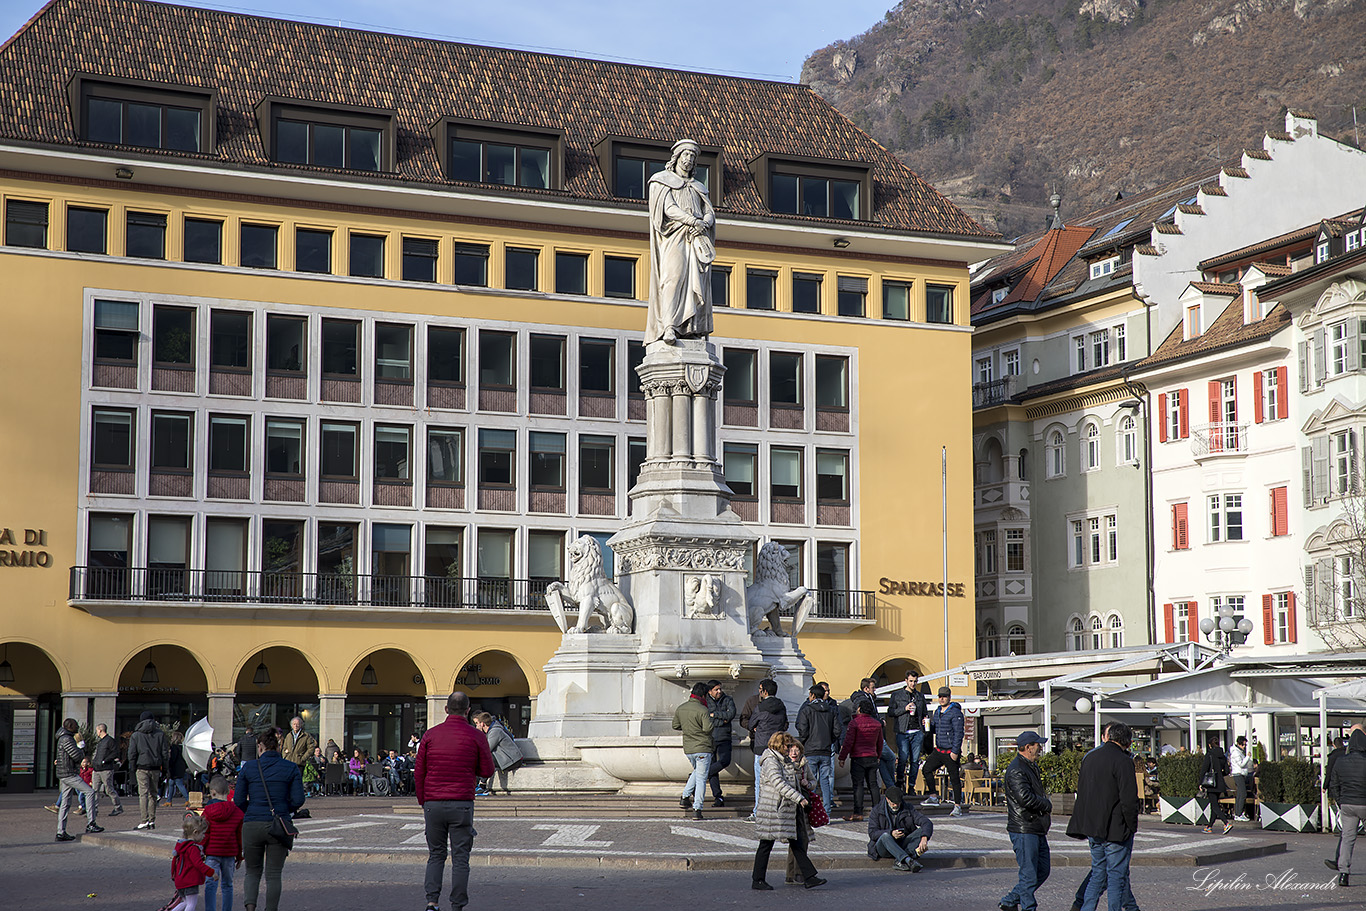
point(764, 38)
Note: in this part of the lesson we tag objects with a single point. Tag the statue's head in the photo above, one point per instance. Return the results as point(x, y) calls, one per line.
point(683, 158)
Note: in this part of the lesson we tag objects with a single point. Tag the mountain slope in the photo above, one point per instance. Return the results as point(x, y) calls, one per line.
point(1000, 102)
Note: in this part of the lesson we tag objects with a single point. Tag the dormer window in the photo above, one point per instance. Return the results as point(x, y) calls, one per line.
point(628, 164)
point(814, 187)
point(345, 138)
point(1104, 267)
point(145, 115)
point(502, 156)
point(1351, 241)
point(999, 295)
point(1193, 320)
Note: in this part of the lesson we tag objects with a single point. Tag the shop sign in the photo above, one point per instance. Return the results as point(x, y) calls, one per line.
point(920, 589)
point(32, 538)
point(149, 689)
point(25, 741)
point(471, 677)
point(959, 679)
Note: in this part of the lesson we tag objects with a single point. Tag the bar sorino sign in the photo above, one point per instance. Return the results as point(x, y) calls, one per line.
point(920, 589)
point(24, 547)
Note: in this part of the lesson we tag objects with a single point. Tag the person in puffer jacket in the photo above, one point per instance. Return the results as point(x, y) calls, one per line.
point(223, 847)
point(947, 723)
point(863, 740)
point(70, 754)
point(266, 785)
point(188, 870)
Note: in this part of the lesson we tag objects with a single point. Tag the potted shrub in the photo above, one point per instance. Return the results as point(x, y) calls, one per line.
point(1059, 772)
point(1180, 801)
point(1289, 792)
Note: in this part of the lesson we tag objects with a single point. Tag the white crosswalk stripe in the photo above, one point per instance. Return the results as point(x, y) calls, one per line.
point(717, 837)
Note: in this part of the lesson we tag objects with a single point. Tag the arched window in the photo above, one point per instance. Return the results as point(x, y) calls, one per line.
point(1024, 464)
point(1015, 636)
point(1128, 439)
point(992, 643)
point(1116, 631)
point(993, 472)
point(1055, 456)
point(1090, 448)
point(1078, 635)
point(1097, 633)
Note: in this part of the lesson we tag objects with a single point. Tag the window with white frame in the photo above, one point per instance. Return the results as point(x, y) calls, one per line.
point(1321, 251)
point(1280, 616)
point(1100, 348)
point(1225, 517)
point(990, 641)
point(1173, 416)
point(1015, 639)
point(1080, 343)
point(984, 373)
point(1269, 392)
point(1077, 634)
point(1116, 624)
point(1104, 267)
point(1097, 633)
point(1351, 241)
point(987, 563)
point(1055, 455)
point(999, 294)
point(1078, 544)
point(1015, 553)
point(1339, 342)
point(1361, 341)
point(1235, 603)
point(1010, 363)
point(1121, 343)
point(1090, 448)
point(1344, 587)
point(1344, 463)
point(1112, 538)
point(1181, 621)
point(1128, 440)
point(1095, 541)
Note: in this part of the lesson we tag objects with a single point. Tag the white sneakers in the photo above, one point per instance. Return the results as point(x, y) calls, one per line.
point(146, 825)
point(931, 801)
point(957, 811)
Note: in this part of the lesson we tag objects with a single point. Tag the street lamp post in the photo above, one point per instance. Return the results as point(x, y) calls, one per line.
point(1231, 632)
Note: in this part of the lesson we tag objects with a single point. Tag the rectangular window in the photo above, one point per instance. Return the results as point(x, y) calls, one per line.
point(313, 251)
point(720, 286)
point(984, 371)
point(806, 292)
point(832, 476)
point(87, 230)
point(851, 295)
point(740, 382)
point(832, 567)
point(1093, 528)
point(419, 259)
point(785, 379)
point(173, 337)
point(819, 197)
point(393, 351)
point(896, 300)
point(1321, 251)
point(497, 449)
point(1079, 346)
point(146, 235)
point(785, 473)
point(1015, 558)
point(107, 551)
point(597, 366)
point(26, 224)
point(1010, 363)
point(472, 265)
point(281, 555)
point(633, 174)
point(503, 164)
point(635, 460)
point(1180, 527)
point(367, 255)
point(1121, 344)
point(1344, 588)
point(1193, 321)
point(140, 120)
point(392, 452)
point(832, 382)
point(1100, 349)
point(259, 246)
point(596, 461)
point(445, 355)
point(340, 451)
point(547, 453)
point(172, 436)
point(230, 340)
point(986, 553)
point(571, 273)
point(336, 561)
point(1173, 415)
point(619, 278)
point(497, 362)
point(520, 269)
point(225, 557)
point(760, 289)
point(391, 562)
point(1344, 463)
point(284, 448)
point(116, 332)
point(545, 558)
point(1112, 538)
point(341, 347)
point(740, 462)
point(285, 343)
point(328, 143)
point(547, 362)
point(228, 444)
point(445, 457)
point(111, 439)
point(635, 356)
point(1339, 342)
point(494, 556)
point(1104, 267)
point(1280, 630)
point(939, 303)
point(203, 241)
point(1226, 517)
point(442, 563)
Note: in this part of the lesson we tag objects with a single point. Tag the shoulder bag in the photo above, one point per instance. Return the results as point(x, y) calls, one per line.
point(282, 828)
point(816, 814)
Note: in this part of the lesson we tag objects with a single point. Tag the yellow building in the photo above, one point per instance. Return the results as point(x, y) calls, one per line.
point(318, 343)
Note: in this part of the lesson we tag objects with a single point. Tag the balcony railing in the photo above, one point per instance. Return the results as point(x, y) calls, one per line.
point(1226, 438)
point(839, 605)
point(994, 392)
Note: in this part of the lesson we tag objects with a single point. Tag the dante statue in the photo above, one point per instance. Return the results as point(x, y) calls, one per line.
point(682, 247)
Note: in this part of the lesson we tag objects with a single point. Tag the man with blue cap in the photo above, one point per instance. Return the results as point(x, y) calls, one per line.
point(1028, 816)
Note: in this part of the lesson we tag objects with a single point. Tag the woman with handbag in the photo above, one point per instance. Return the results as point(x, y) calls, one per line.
point(782, 810)
point(1212, 772)
point(269, 791)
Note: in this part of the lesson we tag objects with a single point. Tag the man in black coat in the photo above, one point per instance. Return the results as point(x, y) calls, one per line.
point(149, 753)
point(908, 712)
point(1028, 817)
point(722, 710)
point(818, 730)
point(1347, 786)
point(1106, 815)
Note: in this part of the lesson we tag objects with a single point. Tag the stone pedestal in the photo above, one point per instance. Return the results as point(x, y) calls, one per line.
point(332, 719)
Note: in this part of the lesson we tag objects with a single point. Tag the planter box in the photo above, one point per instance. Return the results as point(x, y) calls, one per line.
point(1184, 811)
point(1289, 817)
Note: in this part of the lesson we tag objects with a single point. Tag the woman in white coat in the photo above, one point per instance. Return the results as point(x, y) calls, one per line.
point(782, 809)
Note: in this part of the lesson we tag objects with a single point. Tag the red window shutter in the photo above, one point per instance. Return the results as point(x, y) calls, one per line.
point(1268, 620)
point(1180, 527)
point(1216, 437)
point(1282, 399)
point(1184, 408)
point(1192, 622)
point(1169, 613)
point(1257, 397)
point(1162, 415)
point(1280, 511)
point(1291, 623)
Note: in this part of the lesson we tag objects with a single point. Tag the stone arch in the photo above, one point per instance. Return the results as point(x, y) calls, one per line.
point(397, 660)
point(893, 670)
point(535, 676)
point(36, 670)
point(496, 683)
point(993, 462)
point(247, 666)
point(152, 649)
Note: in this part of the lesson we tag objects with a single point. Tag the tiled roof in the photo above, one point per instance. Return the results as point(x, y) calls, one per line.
point(1147, 250)
point(1282, 135)
point(249, 58)
point(1273, 270)
point(1280, 240)
point(1191, 209)
point(1077, 381)
point(1049, 256)
point(1236, 171)
point(1163, 227)
point(1228, 331)
point(1259, 154)
point(1213, 189)
point(1225, 288)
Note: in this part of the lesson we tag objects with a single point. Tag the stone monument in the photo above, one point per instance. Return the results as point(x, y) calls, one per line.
point(680, 611)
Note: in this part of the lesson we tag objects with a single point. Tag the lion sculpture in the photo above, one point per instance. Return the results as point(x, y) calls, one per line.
point(769, 595)
point(596, 596)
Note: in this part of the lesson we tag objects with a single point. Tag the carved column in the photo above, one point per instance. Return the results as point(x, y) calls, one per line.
point(682, 418)
point(657, 419)
point(703, 426)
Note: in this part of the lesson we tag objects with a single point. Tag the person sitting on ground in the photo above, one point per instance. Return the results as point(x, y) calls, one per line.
point(893, 826)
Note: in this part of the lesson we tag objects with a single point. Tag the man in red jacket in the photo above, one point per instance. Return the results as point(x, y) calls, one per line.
point(451, 756)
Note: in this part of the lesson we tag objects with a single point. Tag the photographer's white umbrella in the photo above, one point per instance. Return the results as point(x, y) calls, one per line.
point(198, 745)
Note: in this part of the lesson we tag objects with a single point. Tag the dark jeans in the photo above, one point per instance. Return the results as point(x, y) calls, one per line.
point(887, 765)
point(1239, 794)
point(932, 765)
point(899, 848)
point(864, 772)
point(1035, 862)
point(449, 822)
point(260, 854)
point(1130, 904)
point(908, 745)
point(798, 846)
point(1109, 873)
point(720, 758)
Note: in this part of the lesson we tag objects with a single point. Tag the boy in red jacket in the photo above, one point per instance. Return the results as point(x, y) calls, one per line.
point(223, 846)
point(188, 870)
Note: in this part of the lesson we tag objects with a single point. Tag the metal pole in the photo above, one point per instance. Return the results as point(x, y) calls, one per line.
point(944, 533)
point(1323, 761)
point(1095, 703)
point(1048, 714)
point(1193, 738)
